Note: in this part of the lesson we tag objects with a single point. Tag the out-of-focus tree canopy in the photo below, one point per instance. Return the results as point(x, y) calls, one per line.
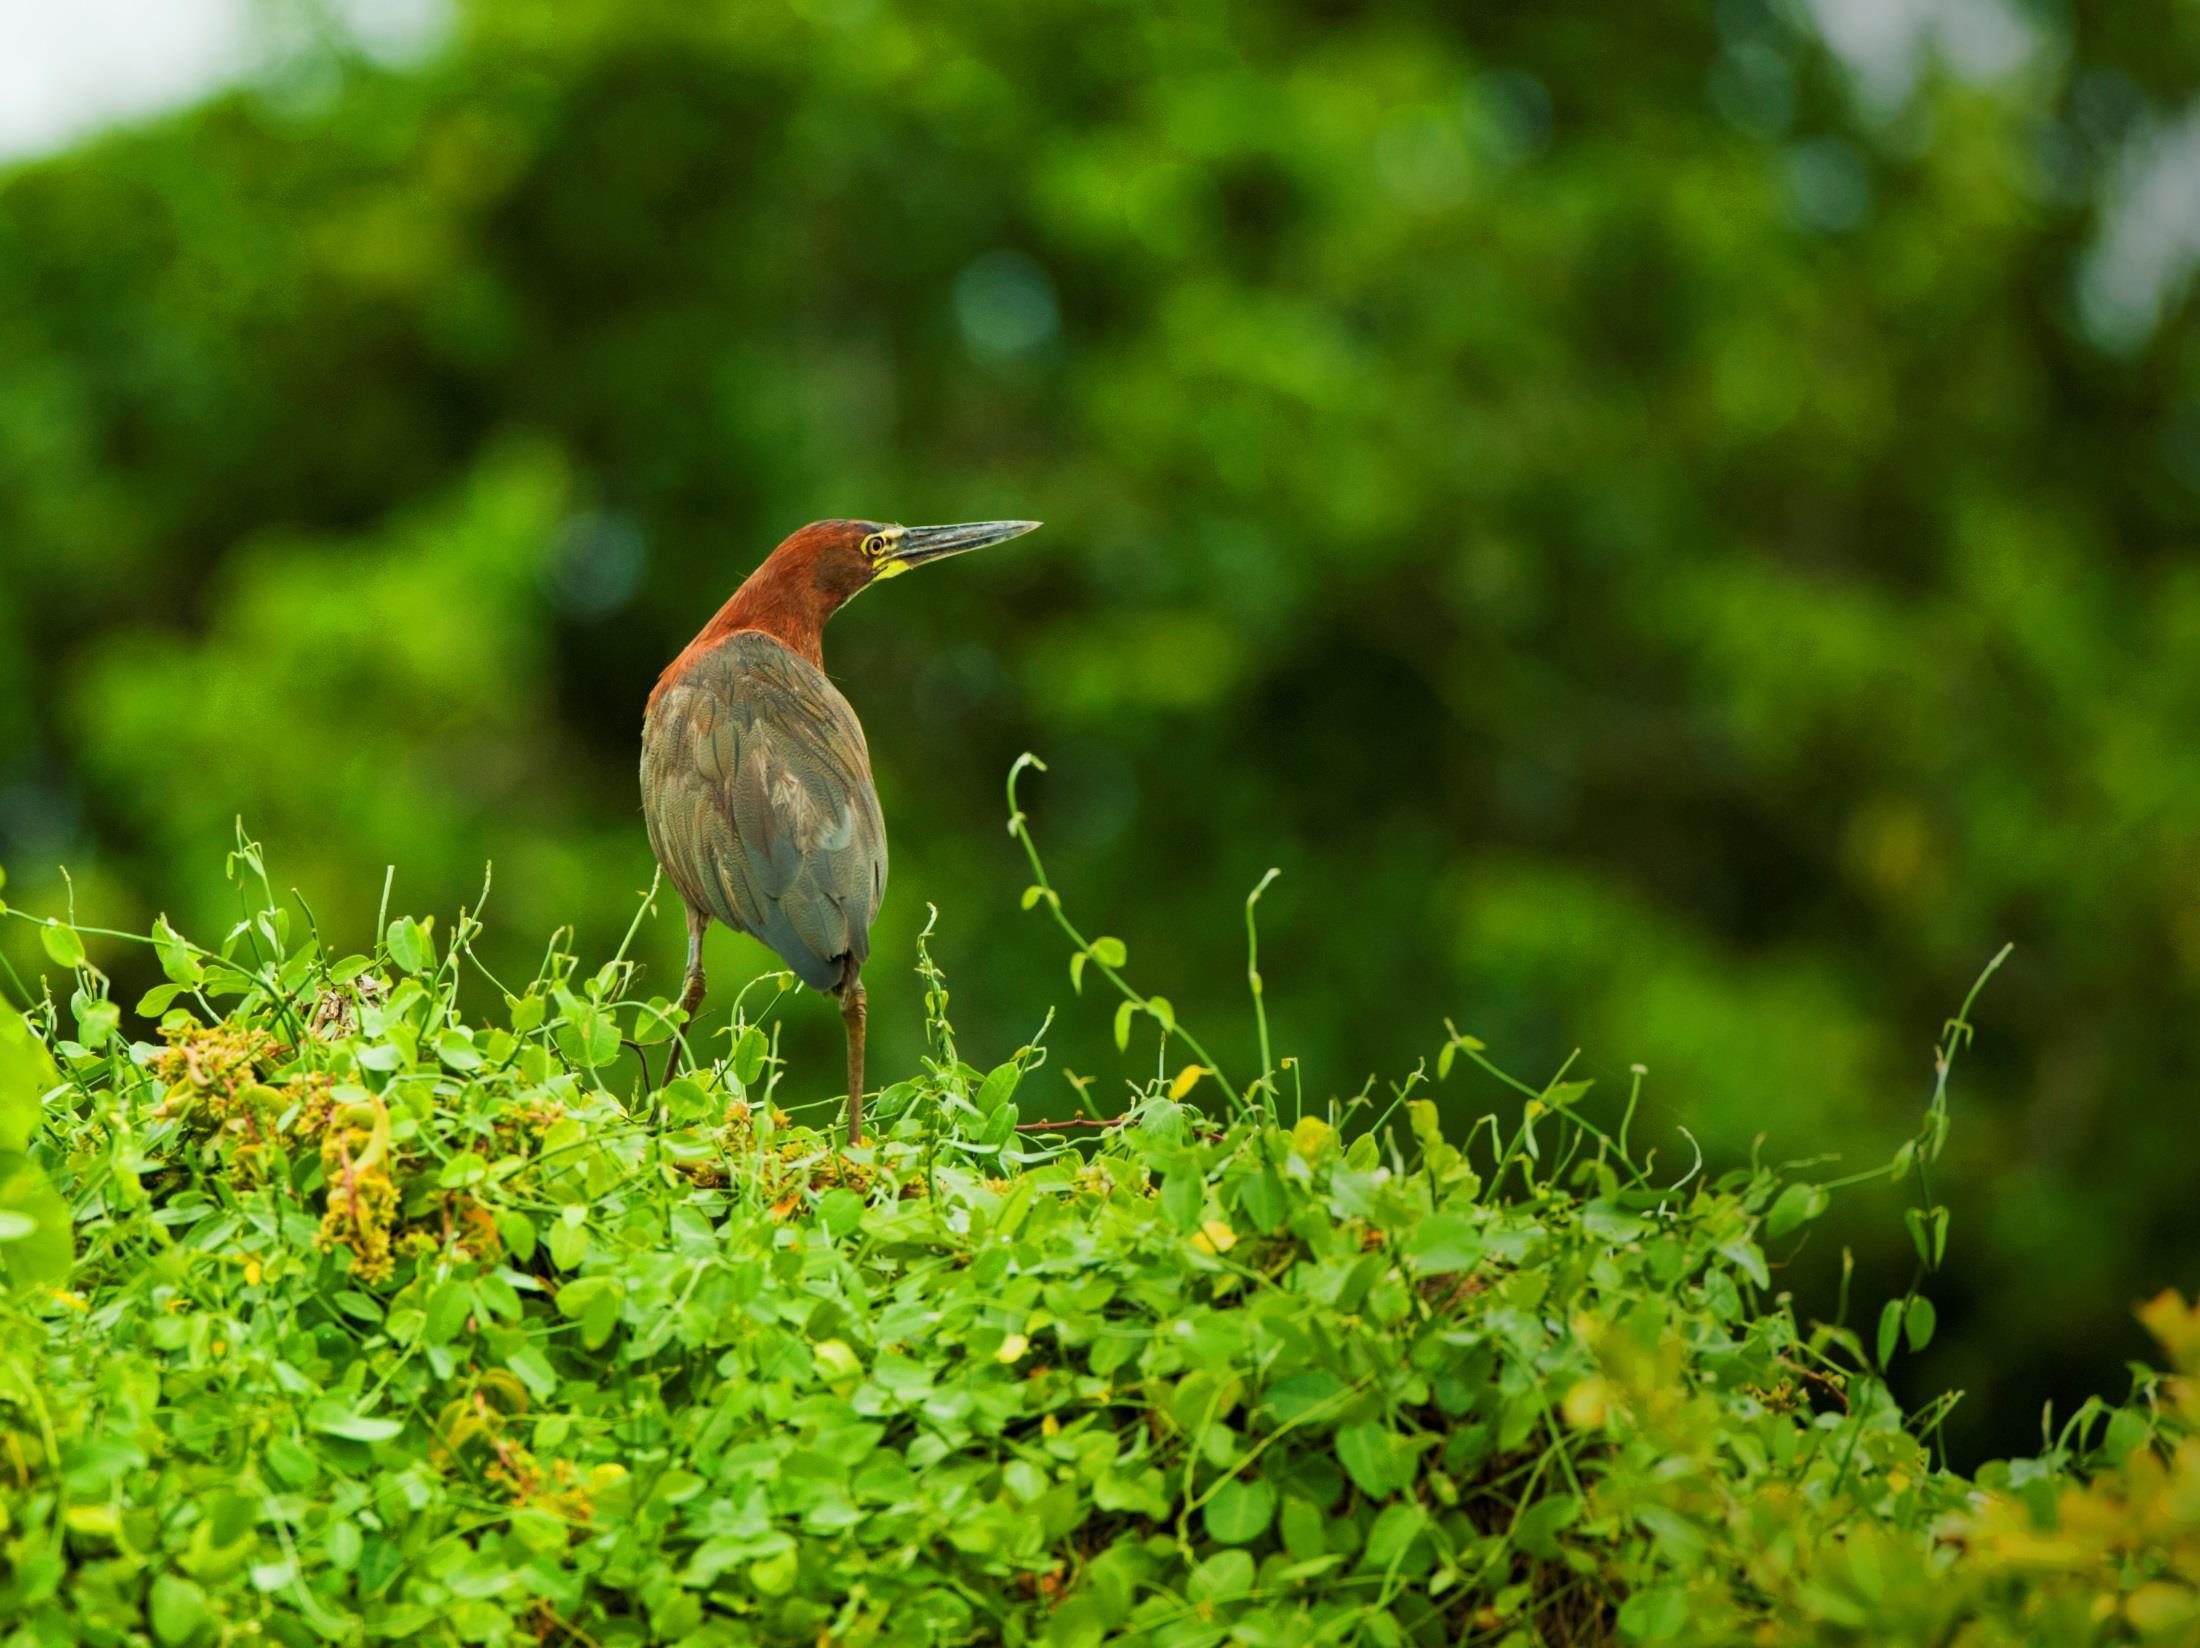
point(1673, 527)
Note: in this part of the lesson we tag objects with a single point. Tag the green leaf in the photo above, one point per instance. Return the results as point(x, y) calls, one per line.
point(1370, 1455)
point(409, 945)
point(1918, 1322)
point(382, 1055)
point(594, 1302)
point(178, 961)
point(2127, 1432)
point(1183, 1196)
point(840, 1211)
point(534, 1371)
point(1077, 1623)
point(1263, 1198)
point(1654, 1615)
point(653, 1023)
point(1109, 952)
point(291, 1461)
point(1443, 1243)
point(356, 1427)
point(527, 1013)
point(774, 1576)
point(998, 1087)
point(1223, 1577)
point(518, 1232)
point(588, 1036)
point(456, 1049)
point(1123, 1016)
point(1744, 1255)
point(687, 1102)
point(568, 1240)
point(1077, 972)
point(1427, 1126)
point(41, 1254)
point(1240, 1511)
point(576, 1296)
point(1607, 1221)
point(62, 944)
point(1890, 1328)
point(26, 1075)
point(1396, 1530)
point(1539, 1525)
point(158, 1000)
point(1797, 1205)
point(177, 1608)
point(1304, 1530)
point(748, 1056)
point(449, 1304)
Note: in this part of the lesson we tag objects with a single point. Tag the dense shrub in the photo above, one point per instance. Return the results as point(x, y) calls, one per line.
point(1649, 476)
point(387, 1322)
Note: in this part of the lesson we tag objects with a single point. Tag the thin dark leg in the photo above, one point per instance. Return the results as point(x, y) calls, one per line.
point(691, 998)
point(852, 1016)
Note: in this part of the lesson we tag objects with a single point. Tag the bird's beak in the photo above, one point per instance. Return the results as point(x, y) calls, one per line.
point(918, 544)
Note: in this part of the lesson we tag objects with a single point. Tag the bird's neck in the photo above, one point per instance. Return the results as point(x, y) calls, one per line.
point(781, 599)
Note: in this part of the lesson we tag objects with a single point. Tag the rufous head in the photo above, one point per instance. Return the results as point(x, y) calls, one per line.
point(844, 558)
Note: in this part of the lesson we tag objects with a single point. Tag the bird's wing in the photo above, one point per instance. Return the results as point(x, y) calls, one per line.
point(756, 785)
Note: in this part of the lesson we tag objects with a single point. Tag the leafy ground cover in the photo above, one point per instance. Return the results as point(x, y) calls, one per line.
point(336, 1312)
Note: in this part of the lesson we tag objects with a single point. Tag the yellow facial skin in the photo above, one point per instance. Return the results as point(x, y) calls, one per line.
point(877, 546)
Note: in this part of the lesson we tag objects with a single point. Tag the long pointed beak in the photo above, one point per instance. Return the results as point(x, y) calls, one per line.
point(919, 544)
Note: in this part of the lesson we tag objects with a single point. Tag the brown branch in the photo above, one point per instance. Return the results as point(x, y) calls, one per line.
point(1207, 1133)
point(1077, 1121)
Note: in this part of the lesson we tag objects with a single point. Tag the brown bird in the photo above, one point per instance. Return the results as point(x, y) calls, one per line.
point(756, 781)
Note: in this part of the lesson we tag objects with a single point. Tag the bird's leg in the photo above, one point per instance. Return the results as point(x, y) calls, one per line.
point(691, 997)
point(851, 1015)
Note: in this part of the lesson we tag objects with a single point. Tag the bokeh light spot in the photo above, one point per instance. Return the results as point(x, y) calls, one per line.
point(1005, 305)
point(1829, 189)
point(596, 564)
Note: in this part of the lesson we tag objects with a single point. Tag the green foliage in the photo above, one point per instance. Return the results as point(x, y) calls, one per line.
point(1481, 475)
point(391, 1322)
point(34, 1220)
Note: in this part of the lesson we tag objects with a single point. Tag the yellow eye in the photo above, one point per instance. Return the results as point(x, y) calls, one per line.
point(875, 545)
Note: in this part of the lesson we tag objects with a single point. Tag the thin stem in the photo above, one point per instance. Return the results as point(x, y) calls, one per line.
point(648, 900)
point(1252, 979)
point(1018, 828)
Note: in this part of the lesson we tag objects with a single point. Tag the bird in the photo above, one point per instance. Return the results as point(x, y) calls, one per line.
point(756, 779)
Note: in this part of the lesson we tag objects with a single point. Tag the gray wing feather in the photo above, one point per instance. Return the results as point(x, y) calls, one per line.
point(756, 787)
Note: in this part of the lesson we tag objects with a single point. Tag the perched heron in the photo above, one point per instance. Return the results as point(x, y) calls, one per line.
point(756, 782)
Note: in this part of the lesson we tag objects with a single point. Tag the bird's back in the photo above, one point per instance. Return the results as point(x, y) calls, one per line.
point(756, 788)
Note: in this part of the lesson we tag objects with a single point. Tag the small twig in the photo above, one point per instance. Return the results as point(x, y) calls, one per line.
point(1075, 1121)
point(1207, 1135)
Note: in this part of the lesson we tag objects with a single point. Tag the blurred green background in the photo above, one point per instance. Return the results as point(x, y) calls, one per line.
point(1673, 525)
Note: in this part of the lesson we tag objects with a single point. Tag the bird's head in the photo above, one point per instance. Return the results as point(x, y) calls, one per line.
point(844, 558)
